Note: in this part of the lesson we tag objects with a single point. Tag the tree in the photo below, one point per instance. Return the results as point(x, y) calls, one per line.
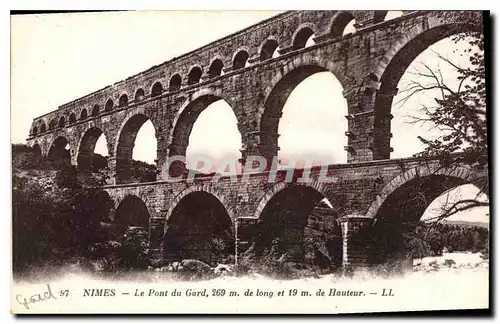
point(459, 110)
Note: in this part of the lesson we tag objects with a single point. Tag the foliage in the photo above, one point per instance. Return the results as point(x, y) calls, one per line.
point(134, 251)
point(25, 157)
point(142, 171)
point(386, 242)
point(459, 111)
point(54, 217)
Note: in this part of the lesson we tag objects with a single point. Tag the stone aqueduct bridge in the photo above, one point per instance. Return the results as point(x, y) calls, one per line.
point(242, 70)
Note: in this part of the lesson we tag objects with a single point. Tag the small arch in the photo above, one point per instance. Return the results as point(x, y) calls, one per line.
point(34, 131)
point(269, 50)
point(123, 101)
point(302, 38)
point(139, 95)
point(342, 24)
point(95, 111)
point(175, 82)
point(109, 105)
point(194, 75)
point(157, 89)
point(83, 114)
point(52, 124)
point(72, 118)
point(43, 128)
point(240, 60)
point(215, 69)
point(62, 122)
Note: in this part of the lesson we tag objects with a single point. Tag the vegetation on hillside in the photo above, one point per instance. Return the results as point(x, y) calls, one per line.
point(58, 216)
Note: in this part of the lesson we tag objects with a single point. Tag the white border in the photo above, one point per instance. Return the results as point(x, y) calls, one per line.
point(182, 5)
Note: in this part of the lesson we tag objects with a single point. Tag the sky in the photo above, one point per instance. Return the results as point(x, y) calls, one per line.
point(57, 58)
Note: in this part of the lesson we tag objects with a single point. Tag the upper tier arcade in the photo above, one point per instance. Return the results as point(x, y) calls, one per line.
point(254, 71)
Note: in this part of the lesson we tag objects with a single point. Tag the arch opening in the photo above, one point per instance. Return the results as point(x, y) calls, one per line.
point(194, 75)
point(300, 222)
point(34, 131)
point(343, 25)
point(404, 71)
point(59, 154)
point(43, 128)
point(91, 157)
point(123, 101)
point(175, 82)
point(303, 112)
point(109, 105)
point(215, 69)
point(83, 114)
point(139, 95)
point(62, 122)
point(133, 148)
point(52, 124)
point(304, 38)
point(72, 118)
point(189, 135)
point(407, 220)
point(132, 212)
point(199, 228)
point(269, 50)
point(95, 111)
point(240, 60)
point(156, 90)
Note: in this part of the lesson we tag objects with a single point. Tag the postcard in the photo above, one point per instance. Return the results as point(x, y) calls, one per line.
point(250, 162)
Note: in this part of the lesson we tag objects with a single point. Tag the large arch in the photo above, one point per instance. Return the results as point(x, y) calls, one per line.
point(394, 64)
point(283, 215)
point(456, 176)
point(132, 211)
point(398, 209)
point(199, 226)
point(125, 144)
point(58, 155)
point(185, 119)
point(86, 147)
point(278, 92)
